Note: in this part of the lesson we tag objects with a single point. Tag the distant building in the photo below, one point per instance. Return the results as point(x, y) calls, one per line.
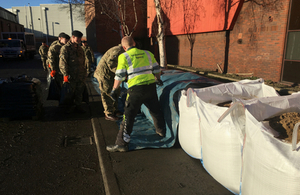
point(48, 20)
point(9, 22)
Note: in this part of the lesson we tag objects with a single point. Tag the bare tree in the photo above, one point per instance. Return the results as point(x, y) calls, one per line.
point(115, 10)
point(266, 7)
point(78, 8)
point(191, 15)
point(225, 7)
point(161, 34)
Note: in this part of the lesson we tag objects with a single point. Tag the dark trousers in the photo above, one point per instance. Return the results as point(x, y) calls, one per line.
point(136, 96)
point(44, 63)
point(59, 79)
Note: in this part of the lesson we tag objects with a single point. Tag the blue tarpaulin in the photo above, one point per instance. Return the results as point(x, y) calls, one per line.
point(174, 81)
point(143, 134)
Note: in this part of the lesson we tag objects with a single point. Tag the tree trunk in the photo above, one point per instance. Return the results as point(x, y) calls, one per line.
point(160, 35)
point(226, 51)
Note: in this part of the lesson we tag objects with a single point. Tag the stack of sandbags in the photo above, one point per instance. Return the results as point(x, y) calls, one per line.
point(222, 142)
point(20, 97)
point(270, 163)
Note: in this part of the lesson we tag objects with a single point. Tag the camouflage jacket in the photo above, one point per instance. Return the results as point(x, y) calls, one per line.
point(43, 51)
point(108, 64)
point(53, 55)
point(89, 54)
point(72, 62)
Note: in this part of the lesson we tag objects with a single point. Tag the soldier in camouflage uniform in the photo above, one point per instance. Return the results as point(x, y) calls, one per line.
point(43, 52)
point(72, 66)
point(53, 57)
point(89, 56)
point(105, 74)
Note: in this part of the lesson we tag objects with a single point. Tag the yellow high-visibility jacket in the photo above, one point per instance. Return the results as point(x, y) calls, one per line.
point(138, 65)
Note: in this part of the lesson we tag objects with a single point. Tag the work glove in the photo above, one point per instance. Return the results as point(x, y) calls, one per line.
point(49, 66)
point(159, 82)
point(52, 73)
point(113, 95)
point(66, 79)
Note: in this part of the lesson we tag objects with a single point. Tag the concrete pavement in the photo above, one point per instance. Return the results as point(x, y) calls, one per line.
point(53, 155)
point(60, 154)
point(147, 171)
point(39, 157)
point(96, 108)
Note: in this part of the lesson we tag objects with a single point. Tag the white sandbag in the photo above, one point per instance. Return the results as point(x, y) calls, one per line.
point(270, 166)
point(241, 89)
point(221, 145)
point(188, 128)
point(222, 142)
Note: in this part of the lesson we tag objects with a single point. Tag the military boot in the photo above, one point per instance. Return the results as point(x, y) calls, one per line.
point(117, 148)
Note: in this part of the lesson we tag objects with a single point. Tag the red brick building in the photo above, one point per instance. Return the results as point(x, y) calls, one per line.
point(103, 31)
point(240, 36)
point(263, 40)
point(9, 22)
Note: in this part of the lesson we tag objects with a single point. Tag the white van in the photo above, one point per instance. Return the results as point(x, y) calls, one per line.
point(12, 48)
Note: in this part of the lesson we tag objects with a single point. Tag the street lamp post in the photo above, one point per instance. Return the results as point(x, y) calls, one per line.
point(31, 19)
point(71, 17)
point(45, 9)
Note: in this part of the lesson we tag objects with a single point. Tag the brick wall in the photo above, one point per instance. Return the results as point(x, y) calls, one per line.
point(260, 51)
point(106, 29)
point(106, 34)
point(207, 53)
point(263, 39)
point(8, 26)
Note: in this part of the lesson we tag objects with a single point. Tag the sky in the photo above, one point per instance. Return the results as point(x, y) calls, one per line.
point(18, 3)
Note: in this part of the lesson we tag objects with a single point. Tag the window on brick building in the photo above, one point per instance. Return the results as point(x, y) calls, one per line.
point(294, 23)
point(291, 65)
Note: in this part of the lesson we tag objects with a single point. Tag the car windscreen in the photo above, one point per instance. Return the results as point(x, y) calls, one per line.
point(9, 43)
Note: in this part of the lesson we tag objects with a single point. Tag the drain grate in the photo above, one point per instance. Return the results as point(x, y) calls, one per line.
point(77, 140)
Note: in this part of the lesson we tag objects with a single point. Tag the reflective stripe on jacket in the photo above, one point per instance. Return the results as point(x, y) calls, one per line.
point(138, 65)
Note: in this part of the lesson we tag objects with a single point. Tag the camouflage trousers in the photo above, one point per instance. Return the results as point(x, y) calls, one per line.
point(78, 87)
point(88, 67)
point(44, 63)
point(110, 106)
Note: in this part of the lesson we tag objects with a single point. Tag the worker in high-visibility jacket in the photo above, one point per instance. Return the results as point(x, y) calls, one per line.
point(143, 73)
